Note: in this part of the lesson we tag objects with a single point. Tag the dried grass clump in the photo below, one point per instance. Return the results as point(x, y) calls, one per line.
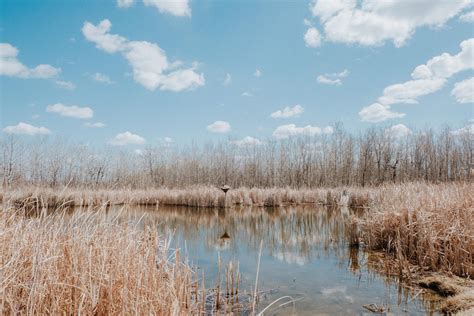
point(423, 224)
point(84, 264)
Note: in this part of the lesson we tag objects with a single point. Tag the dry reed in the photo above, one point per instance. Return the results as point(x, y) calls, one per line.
point(427, 225)
point(87, 263)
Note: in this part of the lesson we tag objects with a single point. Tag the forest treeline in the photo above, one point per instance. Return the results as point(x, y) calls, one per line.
point(340, 159)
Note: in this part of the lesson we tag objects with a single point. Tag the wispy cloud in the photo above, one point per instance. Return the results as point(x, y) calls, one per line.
point(286, 131)
point(94, 125)
point(227, 79)
point(333, 78)
point(102, 78)
point(70, 111)
point(219, 127)
point(288, 111)
point(68, 85)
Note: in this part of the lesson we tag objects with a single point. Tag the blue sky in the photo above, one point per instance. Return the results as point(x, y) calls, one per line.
point(217, 70)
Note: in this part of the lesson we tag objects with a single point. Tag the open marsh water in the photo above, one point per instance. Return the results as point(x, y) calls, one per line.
point(305, 255)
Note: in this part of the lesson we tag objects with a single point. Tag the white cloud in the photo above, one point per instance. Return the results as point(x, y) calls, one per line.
point(100, 77)
point(312, 37)
point(334, 78)
point(12, 67)
point(377, 112)
point(247, 141)
point(150, 65)
point(68, 85)
point(166, 140)
point(125, 3)
point(463, 91)
point(468, 129)
point(219, 127)
point(409, 91)
point(227, 79)
point(325, 80)
point(94, 125)
point(26, 129)
point(174, 7)
point(257, 73)
point(373, 22)
point(426, 79)
point(467, 17)
point(247, 94)
point(288, 111)
point(70, 111)
point(127, 138)
point(398, 131)
point(286, 131)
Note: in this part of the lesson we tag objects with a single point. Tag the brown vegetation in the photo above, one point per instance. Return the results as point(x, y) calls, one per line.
point(87, 264)
point(427, 225)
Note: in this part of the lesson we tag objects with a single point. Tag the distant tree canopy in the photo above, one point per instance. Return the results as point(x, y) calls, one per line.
point(371, 158)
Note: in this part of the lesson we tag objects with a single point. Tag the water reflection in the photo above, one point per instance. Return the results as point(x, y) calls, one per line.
point(306, 255)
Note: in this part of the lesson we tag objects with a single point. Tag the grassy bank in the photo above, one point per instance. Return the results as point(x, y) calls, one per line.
point(197, 196)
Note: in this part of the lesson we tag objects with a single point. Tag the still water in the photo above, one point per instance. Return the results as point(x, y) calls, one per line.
point(304, 255)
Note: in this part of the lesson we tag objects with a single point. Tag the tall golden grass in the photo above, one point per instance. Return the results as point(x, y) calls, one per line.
point(431, 226)
point(87, 263)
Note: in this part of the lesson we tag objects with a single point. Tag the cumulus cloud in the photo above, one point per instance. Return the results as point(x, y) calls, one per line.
point(377, 112)
point(174, 7)
point(94, 125)
point(68, 85)
point(312, 37)
point(70, 111)
point(286, 131)
point(288, 111)
point(247, 141)
point(257, 73)
point(26, 129)
point(219, 127)
point(463, 91)
point(398, 131)
point(12, 67)
point(334, 78)
point(125, 3)
point(468, 129)
point(410, 91)
point(373, 22)
point(102, 78)
point(247, 94)
point(127, 138)
point(426, 79)
point(151, 67)
point(467, 17)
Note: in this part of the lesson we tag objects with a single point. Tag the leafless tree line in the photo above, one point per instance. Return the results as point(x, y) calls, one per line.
point(370, 158)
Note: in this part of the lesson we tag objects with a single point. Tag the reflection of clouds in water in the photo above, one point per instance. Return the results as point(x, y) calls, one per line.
point(337, 291)
point(291, 258)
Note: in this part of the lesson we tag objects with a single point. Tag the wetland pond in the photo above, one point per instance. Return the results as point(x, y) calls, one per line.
point(305, 255)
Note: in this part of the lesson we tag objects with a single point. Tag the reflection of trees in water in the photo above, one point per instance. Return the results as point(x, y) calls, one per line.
point(287, 232)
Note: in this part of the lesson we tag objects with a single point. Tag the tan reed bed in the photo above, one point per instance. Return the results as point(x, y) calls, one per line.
point(87, 264)
point(427, 225)
point(197, 196)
